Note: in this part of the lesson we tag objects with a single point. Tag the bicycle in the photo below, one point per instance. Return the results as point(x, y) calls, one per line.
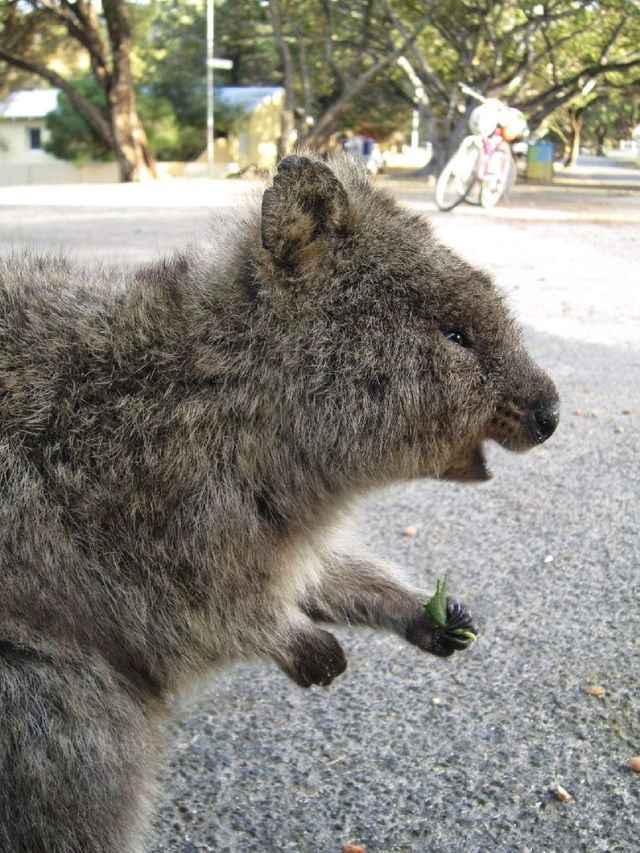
point(484, 158)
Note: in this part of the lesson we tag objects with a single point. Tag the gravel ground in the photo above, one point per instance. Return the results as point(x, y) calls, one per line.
point(405, 752)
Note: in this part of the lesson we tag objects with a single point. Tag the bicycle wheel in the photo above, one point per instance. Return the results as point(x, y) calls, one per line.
point(459, 174)
point(473, 196)
point(499, 176)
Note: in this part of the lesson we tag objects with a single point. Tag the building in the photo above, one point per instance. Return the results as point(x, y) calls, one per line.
point(254, 138)
point(22, 126)
point(23, 133)
point(255, 114)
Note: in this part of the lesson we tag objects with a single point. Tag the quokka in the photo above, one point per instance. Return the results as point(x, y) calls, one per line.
point(177, 449)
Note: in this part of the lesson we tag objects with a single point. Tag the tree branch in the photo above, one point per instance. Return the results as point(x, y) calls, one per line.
point(356, 86)
point(568, 89)
point(87, 34)
point(427, 74)
point(84, 106)
point(328, 48)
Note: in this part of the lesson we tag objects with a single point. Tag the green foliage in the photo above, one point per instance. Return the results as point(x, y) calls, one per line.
point(379, 111)
point(436, 607)
point(539, 56)
point(612, 116)
point(244, 34)
point(171, 140)
point(71, 136)
point(172, 97)
point(173, 59)
point(163, 131)
point(170, 63)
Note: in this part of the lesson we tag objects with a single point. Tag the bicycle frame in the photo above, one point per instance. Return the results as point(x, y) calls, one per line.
point(483, 161)
point(490, 167)
point(489, 146)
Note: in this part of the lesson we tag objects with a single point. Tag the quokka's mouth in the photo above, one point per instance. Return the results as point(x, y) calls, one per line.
point(468, 465)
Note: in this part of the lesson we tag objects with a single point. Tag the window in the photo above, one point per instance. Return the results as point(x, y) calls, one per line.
point(35, 138)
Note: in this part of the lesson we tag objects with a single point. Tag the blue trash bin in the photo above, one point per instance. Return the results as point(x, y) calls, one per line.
point(540, 161)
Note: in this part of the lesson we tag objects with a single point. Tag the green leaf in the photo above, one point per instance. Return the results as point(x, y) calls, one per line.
point(436, 607)
point(468, 635)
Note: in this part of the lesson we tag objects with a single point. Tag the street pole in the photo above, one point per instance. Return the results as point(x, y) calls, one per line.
point(210, 96)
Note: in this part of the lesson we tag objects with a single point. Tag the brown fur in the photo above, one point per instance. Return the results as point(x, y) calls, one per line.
point(178, 449)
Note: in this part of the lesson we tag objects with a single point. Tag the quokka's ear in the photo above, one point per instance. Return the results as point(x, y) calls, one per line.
point(305, 201)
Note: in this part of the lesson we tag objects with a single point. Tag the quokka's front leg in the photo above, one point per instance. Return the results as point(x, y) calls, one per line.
point(360, 590)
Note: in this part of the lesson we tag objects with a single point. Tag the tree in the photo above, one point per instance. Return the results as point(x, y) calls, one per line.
point(340, 45)
point(356, 62)
point(538, 56)
point(287, 129)
point(611, 117)
point(172, 97)
point(107, 38)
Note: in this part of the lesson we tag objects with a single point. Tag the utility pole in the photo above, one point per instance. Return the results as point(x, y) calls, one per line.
point(210, 128)
point(212, 63)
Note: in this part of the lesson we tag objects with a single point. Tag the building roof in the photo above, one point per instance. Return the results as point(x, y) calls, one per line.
point(246, 98)
point(36, 103)
point(29, 103)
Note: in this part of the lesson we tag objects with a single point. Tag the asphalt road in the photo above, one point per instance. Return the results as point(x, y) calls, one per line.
point(405, 752)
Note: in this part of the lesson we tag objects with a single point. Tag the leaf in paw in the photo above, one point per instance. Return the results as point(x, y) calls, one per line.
point(458, 633)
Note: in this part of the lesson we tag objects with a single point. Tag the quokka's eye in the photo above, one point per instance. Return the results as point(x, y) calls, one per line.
point(457, 337)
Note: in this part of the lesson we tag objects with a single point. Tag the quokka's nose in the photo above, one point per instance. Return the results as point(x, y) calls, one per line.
point(546, 421)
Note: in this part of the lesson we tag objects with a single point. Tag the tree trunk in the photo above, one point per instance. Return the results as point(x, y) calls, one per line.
point(83, 106)
point(131, 146)
point(575, 125)
point(123, 131)
point(287, 128)
point(305, 80)
point(445, 135)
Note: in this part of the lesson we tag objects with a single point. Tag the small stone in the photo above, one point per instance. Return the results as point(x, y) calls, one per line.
point(410, 531)
point(353, 848)
point(594, 415)
point(436, 700)
point(561, 794)
point(626, 411)
point(634, 764)
point(595, 690)
point(577, 412)
point(548, 558)
point(619, 430)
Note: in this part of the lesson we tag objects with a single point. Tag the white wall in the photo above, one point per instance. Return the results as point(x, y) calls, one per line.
point(14, 142)
point(57, 172)
point(20, 165)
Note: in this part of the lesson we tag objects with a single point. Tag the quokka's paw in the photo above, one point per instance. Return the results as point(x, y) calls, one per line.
point(318, 658)
point(459, 632)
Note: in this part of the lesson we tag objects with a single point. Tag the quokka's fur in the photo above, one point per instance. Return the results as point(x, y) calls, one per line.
point(177, 450)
